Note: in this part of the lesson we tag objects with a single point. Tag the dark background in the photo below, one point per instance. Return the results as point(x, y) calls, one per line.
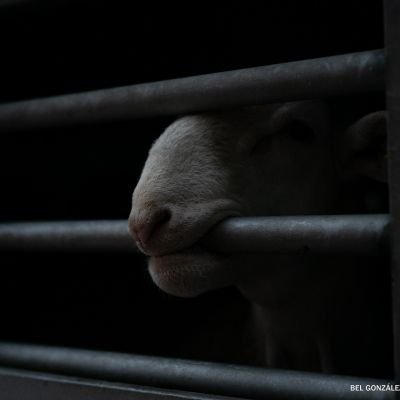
point(88, 172)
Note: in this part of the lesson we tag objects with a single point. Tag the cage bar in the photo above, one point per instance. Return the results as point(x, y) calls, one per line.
point(105, 235)
point(28, 385)
point(330, 76)
point(335, 234)
point(350, 234)
point(392, 44)
point(194, 376)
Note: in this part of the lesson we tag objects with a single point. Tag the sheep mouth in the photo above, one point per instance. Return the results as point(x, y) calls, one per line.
point(195, 254)
point(199, 248)
point(184, 236)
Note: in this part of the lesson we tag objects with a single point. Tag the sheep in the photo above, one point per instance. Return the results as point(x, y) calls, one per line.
point(269, 160)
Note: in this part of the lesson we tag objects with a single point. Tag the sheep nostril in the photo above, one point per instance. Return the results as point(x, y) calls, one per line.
point(143, 229)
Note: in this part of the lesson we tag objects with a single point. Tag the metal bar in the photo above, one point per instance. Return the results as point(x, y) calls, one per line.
point(27, 385)
point(355, 234)
point(202, 377)
point(330, 76)
point(350, 234)
point(66, 236)
point(392, 44)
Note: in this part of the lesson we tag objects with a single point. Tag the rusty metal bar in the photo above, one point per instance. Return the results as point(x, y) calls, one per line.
point(354, 234)
point(392, 44)
point(330, 76)
point(201, 377)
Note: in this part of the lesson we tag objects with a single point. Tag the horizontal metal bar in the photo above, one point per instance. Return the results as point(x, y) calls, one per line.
point(354, 234)
point(28, 385)
point(203, 377)
point(66, 236)
point(321, 77)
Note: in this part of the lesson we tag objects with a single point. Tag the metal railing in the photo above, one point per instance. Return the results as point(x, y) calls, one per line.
point(349, 234)
point(392, 33)
point(194, 376)
point(331, 76)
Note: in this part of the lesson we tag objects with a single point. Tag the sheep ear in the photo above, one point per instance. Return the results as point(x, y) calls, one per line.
point(364, 148)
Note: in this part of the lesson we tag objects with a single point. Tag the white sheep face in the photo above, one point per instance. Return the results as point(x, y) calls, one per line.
point(264, 160)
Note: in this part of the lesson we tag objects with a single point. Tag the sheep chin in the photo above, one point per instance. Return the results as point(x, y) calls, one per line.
point(191, 272)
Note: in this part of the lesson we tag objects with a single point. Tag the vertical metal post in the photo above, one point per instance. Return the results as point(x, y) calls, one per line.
point(392, 45)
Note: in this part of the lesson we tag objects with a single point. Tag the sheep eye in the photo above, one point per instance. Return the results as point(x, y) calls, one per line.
point(299, 131)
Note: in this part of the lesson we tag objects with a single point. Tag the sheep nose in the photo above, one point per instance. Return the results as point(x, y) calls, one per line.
point(143, 226)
